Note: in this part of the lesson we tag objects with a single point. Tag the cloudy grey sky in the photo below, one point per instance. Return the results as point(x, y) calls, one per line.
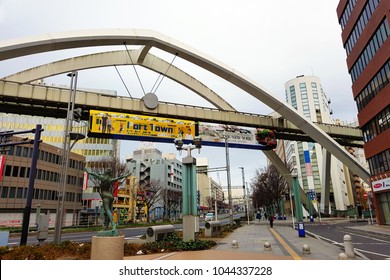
point(270, 42)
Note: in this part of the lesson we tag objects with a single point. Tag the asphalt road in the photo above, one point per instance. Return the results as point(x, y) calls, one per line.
point(368, 245)
point(129, 233)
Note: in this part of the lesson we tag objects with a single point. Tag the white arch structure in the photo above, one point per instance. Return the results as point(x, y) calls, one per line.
point(148, 39)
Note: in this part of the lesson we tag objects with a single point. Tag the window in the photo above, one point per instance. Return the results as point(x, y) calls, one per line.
point(15, 171)
point(12, 192)
point(19, 193)
point(4, 192)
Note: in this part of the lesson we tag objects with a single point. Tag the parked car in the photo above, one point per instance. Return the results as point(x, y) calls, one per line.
point(209, 217)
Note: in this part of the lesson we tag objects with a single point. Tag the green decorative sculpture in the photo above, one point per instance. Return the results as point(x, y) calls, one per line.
point(106, 191)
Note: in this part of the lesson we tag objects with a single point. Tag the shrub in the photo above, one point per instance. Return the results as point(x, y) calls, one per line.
point(82, 251)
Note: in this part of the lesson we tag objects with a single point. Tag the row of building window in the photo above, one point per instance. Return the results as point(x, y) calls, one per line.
point(315, 95)
point(380, 163)
point(27, 152)
point(370, 50)
point(360, 24)
point(347, 12)
point(380, 80)
point(305, 100)
point(293, 97)
point(45, 175)
point(377, 125)
point(40, 194)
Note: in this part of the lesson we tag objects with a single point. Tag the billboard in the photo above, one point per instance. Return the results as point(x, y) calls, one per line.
point(105, 124)
point(113, 125)
point(236, 136)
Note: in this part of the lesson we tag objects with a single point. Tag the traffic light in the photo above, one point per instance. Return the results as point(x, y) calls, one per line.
point(77, 114)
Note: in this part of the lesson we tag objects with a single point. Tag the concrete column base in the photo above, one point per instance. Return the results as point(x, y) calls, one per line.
point(190, 228)
point(108, 248)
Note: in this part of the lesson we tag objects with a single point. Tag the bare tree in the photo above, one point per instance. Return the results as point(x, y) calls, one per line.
point(151, 193)
point(269, 188)
point(171, 200)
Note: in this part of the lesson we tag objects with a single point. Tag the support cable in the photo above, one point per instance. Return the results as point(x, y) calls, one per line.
point(163, 76)
point(139, 80)
point(123, 82)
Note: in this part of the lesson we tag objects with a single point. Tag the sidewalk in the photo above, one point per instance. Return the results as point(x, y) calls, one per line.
point(284, 240)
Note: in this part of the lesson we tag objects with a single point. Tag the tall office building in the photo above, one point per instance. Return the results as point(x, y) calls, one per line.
point(365, 33)
point(305, 94)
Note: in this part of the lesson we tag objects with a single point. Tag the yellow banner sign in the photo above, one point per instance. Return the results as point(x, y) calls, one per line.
point(140, 125)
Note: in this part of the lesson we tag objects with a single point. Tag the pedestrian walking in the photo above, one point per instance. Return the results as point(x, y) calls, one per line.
point(271, 220)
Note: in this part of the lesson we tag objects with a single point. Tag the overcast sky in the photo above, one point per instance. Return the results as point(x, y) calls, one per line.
point(270, 42)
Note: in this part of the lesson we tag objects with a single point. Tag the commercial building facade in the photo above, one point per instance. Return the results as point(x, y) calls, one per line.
point(365, 37)
point(15, 182)
point(93, 149)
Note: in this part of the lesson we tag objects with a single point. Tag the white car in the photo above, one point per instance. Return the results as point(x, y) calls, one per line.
point(209, 217)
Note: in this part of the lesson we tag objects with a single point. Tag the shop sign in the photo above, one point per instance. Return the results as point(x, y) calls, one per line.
point(381, 185)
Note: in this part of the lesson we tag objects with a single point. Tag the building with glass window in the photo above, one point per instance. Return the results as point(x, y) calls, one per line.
point(163, 173)
point(210, 195)
point(305, 93)
point(365, 36)
point(15, 181)
point(94, 149)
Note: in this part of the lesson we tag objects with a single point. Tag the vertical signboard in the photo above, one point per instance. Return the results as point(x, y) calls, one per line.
point(85, 181)
point(308, 165)
point(2, 164)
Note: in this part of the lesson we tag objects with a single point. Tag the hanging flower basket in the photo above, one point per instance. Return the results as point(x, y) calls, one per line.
point(266, 137)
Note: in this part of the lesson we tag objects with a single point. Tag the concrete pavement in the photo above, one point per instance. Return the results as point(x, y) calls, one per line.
point(284, 240)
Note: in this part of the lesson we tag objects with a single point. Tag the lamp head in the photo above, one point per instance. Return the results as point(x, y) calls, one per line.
point(198, 142)
point(178, 143)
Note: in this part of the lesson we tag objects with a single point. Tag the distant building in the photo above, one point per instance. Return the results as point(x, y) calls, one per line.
point(238, 201)
point(365, 36)
point(209, 191)
point(149, 165)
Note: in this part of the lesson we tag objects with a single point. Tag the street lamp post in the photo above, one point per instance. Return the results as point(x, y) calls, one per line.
point(68, 137)
point(228, 180)
point(190, 209)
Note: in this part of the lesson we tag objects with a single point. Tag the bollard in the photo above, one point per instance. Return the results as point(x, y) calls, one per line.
point(234, 243)
point(267, 246)
point(306, 249)
point(348, 246)
point(343, 256)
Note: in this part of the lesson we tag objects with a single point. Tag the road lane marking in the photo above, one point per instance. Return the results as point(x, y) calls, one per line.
point(292, 253)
